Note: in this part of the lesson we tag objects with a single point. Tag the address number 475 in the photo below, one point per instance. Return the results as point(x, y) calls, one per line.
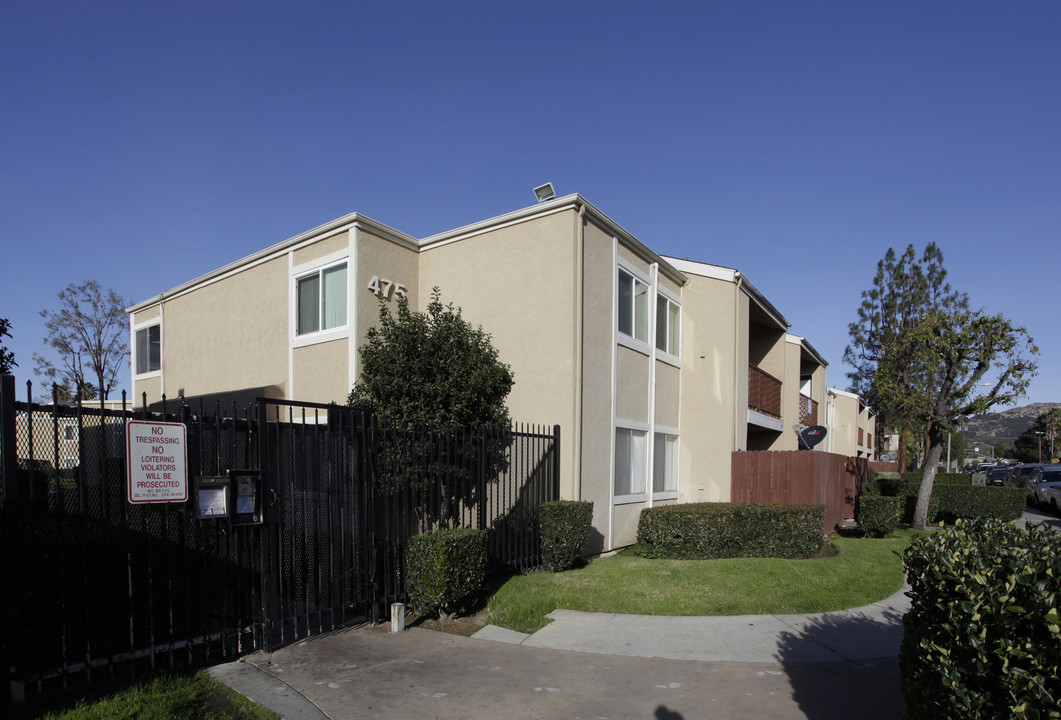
point(383, 288)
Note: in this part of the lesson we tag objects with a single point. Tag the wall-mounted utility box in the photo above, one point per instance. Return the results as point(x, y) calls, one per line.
point(236, 496)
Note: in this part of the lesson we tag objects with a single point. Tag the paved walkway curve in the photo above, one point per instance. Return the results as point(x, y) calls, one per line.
point(873, 631)
point(595, 665)
point(599, 665)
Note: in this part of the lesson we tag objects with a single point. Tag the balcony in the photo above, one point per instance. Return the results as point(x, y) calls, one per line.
point(808, 410)
point(764, 392)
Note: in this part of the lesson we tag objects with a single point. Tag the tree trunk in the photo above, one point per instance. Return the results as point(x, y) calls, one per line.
point(928, 479)
point(902, 445)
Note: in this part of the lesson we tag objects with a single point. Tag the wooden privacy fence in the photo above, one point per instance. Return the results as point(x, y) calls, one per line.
point(799, 477)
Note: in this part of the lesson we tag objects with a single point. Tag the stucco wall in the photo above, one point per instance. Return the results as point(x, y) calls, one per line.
point(231, 334)
point(713, 374)
point(594, 473)
point(320, 372)
point(519, 284)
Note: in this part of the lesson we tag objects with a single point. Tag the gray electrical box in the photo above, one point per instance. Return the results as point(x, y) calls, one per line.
point(236, 496)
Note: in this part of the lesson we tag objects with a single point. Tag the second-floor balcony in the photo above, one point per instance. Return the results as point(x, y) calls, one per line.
point(764, 392)
point(808, 410)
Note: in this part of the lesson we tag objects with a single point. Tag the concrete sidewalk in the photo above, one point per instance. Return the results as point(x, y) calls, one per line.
point(595, 665)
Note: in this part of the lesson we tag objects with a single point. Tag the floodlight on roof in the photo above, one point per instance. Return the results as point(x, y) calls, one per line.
point(544, 192)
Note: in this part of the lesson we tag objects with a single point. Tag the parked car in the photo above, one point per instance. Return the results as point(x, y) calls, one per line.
point(1019, 474)
point(1053, 498)
point(997, 475)
point(1041, 480)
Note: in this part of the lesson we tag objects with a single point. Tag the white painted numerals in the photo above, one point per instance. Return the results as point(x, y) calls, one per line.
point(383, 288)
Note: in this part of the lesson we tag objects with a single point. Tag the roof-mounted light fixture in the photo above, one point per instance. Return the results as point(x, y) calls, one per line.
point(544, 192)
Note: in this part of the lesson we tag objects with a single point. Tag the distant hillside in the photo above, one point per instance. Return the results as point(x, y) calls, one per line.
point(1005, 425)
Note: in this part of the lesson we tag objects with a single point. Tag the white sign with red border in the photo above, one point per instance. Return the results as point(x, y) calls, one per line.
point(157, 457)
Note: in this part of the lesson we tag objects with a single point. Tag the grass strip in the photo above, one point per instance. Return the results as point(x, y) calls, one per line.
point(863, 571)
point(180, 697)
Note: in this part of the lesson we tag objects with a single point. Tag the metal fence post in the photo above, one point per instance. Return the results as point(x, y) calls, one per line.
point(12, 538)
point(556, 463)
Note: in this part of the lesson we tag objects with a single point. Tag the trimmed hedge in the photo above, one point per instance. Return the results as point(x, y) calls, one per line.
point(443, 567)
point(565, 527)
point(953, 497)
point(983, 635)
point(878, 515)
point(988, 501)
point(702, 531)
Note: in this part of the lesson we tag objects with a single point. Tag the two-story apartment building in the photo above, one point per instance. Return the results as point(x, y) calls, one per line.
point(851, 424)
point(655, 368)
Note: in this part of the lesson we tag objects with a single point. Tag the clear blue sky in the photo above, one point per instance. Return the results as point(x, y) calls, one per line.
point(146, 143)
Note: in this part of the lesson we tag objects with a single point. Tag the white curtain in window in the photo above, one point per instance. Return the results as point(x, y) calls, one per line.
point(674, 329)
point(640, 311)
point(664, 462)
point(629, 462)
point(334, 300)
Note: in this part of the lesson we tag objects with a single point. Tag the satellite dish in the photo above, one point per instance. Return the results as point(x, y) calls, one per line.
point(809, 437)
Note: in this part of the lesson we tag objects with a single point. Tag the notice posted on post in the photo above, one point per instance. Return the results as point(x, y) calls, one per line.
point(157, 461)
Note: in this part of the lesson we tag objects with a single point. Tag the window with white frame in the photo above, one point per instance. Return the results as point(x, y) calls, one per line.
point(633, 306)
point(668, 325)
point(629, 461)
point(320, 302)
point(665, 463)
point(148, 350)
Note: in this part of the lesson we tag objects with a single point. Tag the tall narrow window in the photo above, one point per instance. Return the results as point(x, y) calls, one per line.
point(665, 463)
point(629, 462)
point(668, 325)
point(633, 306)
point(321, 300)
point(148, 349)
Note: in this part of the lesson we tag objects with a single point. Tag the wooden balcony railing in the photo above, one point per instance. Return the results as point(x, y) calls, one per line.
point(861, 433)
point(764, 392)
point(808, 410)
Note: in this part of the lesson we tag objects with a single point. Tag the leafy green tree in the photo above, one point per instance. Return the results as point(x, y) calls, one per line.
point(1039, 442)
point(90, 334)
point(428, 376)
point(904, 290)
point(931, 374)
point(431, 369)
point(7, 358)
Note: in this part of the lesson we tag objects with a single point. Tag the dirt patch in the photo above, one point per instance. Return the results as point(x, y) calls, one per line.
point(466, 625)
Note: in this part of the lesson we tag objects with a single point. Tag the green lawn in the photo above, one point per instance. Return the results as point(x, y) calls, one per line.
point(863, 571)
point(190, 697)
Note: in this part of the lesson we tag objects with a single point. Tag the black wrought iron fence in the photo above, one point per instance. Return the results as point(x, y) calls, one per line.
point(96, 589)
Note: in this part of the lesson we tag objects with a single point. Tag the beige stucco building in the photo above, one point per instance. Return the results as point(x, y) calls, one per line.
point(655, 368)
point(851, 424)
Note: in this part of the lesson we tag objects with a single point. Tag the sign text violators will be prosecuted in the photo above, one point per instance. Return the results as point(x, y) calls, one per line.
point(157, 461)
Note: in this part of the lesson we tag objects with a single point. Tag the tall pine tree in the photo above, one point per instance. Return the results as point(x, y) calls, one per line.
point(905, 289)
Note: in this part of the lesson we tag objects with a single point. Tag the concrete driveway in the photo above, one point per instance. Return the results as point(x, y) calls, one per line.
point(595, 665)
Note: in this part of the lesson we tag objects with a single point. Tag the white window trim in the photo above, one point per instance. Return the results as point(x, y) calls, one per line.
point(633, 497)
point(161, 348)
point(318, 266)
point(663, 355)
point(667, 430)
point(645, 348)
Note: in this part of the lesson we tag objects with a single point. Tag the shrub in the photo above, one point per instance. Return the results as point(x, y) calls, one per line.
point(982, 637)
point(989, 501)
point(443, 568)
point(565, 528)
point(878, 515)
point(700, 531)
point(952, 497)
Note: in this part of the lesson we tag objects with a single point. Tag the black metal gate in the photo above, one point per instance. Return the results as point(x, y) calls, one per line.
point(97, 590)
